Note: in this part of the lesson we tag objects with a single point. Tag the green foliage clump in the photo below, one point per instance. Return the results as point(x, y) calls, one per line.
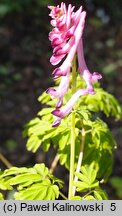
point(34, 183)
point(37, 183)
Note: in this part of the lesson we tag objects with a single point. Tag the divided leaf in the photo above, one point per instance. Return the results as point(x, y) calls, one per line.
point(99, 146)
point(87, 178)
point(32, 183)
point(39, 191)
point(102, 101)
point(100, 194)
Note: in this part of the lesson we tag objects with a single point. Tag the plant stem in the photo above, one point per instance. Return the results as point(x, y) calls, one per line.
point(79, 159)
point(88, 194)
point(62, 195)
point(54, 164)
point(72, 145)
point(5, 161)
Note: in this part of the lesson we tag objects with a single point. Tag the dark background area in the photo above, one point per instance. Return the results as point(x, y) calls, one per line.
point(25, 71)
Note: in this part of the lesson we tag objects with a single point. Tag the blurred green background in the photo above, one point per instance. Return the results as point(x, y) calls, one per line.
point(25, 71)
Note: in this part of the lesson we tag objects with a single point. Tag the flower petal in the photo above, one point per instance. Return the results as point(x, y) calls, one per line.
point(84, 71)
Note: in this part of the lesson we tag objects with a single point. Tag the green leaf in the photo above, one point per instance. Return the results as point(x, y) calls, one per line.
point(56, 180)
point(81, 186)
point(87, 178)
point(89, 197)
point(30, 124)
point(82, 177)
point(97, 195)
point(64, 156)
point(76, 198)
point(14, 170)
point(99, 146)
point(32, 183)
point(89, 172)
point(40, 128)
point(103, 101)
point(45, 111)
point(44, 98)
point(64, 140)
point(33, 143)
point(100, 194)
point(41, 170)
point(46, 145)
point(41, 132)
point(84, 113)
point(49, 134)
point(4, 184)
point(39, 191)
point(25, 179)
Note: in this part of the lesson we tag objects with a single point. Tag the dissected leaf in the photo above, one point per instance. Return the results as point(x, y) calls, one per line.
point(4, 184)
point(100, 194)
point(87, 178)
point(34, 143)
point(41, 170)
point(64, 140)
point(39, 191)
point(103, 101)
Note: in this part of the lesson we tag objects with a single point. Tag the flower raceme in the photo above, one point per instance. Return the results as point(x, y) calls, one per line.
point(66, 41)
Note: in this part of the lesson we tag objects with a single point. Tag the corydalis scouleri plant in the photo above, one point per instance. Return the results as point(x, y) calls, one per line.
point(66, 40)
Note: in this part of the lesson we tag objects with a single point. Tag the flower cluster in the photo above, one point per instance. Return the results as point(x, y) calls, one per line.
point(66, 40)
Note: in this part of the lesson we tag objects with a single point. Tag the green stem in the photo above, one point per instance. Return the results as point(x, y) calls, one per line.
point(72, 146)
point(80, 158)
point(5, 161)
point(87, 194)
point(54, 164)
point(62, 195)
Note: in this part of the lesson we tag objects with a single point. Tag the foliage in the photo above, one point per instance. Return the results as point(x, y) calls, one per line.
point(32, 183)
point(88, 182)
point(38, 182)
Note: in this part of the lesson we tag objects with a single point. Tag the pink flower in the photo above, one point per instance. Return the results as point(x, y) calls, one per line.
point(62, 38)
point(84, 71)
point(66, 40)
point(62, 70)
point(62, 89)
point(60, 114)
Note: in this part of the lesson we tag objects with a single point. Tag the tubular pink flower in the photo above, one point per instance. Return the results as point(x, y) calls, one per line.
point(68, 18)
point(66, 40)
point(66, 48)
point(68, 107)
point(84, 71)
point(62, 89)
point(66, 22)
point(77, 35)
point(56, 122)
point(62, 70)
